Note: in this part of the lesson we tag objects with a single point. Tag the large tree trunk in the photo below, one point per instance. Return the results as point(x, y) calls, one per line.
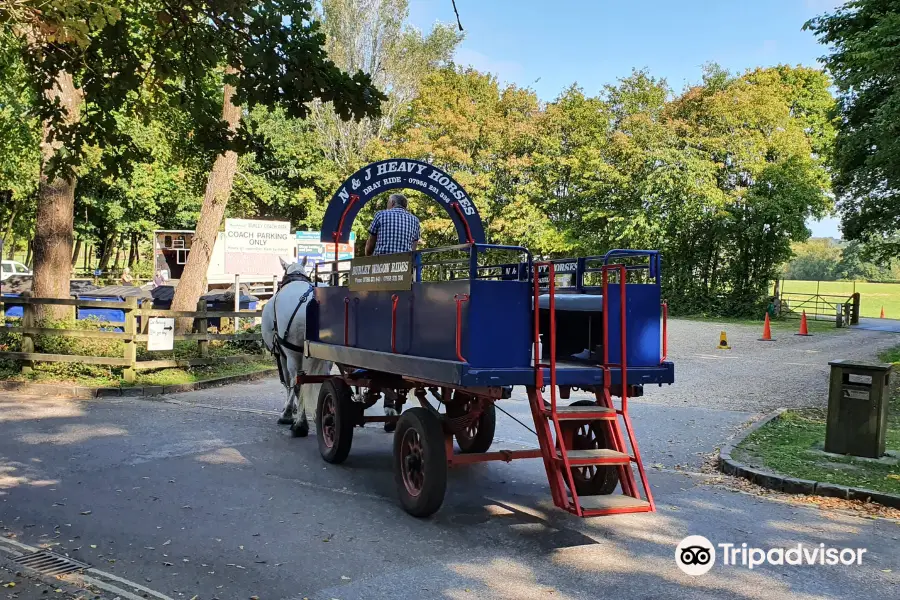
point(218, 190)
point(55, 218)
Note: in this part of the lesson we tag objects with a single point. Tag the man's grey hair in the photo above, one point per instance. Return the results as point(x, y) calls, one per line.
point(398, 200)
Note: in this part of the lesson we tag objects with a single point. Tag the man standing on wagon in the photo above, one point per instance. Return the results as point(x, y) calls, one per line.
point(393, 230)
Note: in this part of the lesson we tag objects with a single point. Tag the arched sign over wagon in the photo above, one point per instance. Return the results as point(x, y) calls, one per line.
point(396, 173)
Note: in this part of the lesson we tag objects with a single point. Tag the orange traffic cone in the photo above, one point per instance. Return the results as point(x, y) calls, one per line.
point(767, 331)
point(882, 312)
point(803, 329)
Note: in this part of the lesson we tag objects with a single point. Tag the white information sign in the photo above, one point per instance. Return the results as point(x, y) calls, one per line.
point(161, 333)
point(254, 247)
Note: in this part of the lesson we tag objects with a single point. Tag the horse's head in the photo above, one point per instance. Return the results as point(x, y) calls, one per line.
point(296, 270)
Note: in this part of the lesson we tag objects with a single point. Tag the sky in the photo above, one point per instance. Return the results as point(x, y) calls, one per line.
point(549, 45)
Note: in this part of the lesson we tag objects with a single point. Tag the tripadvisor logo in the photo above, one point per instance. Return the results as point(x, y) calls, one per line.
point(696, 555)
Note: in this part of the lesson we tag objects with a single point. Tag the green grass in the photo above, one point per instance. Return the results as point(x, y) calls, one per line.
point(786, 445)
point(872, 296)
point(792, 325)
point(10, 371)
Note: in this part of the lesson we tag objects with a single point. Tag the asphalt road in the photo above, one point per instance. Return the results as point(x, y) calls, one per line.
point(205, 496)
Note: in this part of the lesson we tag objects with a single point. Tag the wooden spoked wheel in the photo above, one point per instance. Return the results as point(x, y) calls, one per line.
point(420, 462)
point(591, 480)
point(478, 435)
point(336, 414)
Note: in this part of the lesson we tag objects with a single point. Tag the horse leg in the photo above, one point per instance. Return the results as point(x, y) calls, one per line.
point(299, 426)
point(287, 414)
point(390, 410)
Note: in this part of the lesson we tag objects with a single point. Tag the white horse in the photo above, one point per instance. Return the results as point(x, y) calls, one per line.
point(284, 332)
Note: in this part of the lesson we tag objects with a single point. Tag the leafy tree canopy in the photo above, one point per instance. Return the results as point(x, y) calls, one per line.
point(141, 54)
point(864, 59)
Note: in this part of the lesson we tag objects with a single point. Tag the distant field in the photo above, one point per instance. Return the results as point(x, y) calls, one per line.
point(872, 295)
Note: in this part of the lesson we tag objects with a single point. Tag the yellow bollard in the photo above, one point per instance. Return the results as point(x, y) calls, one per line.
point(723, 342)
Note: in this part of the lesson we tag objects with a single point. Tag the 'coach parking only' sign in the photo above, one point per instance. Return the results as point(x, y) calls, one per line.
point(254, 247)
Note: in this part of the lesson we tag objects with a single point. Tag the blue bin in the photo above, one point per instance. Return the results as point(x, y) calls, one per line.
point(217, 302)
point(110, 315)
point(13, 310)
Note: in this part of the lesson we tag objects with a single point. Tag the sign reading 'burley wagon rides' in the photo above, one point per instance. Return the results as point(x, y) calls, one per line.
point(384, 272)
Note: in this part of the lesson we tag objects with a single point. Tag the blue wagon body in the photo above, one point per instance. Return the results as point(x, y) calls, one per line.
point(414, 332)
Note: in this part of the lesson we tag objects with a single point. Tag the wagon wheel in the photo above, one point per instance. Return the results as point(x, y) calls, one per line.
point(336, 415)
point(476, 436)
point(420, 462)
point(591, 480)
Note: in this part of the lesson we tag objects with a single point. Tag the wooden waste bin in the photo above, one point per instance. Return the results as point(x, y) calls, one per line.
point(857, 408)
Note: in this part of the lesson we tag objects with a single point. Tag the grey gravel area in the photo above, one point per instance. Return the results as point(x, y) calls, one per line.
point(755, 376)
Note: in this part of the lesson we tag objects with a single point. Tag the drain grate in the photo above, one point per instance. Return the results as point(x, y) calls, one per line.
point(50, 563)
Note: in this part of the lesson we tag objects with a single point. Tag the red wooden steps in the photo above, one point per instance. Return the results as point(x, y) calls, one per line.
point(559, 461)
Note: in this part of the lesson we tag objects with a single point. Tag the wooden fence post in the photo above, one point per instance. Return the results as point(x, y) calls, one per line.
point(237, 300)
point(201, 325)
point(130, 332)
point(27, 338)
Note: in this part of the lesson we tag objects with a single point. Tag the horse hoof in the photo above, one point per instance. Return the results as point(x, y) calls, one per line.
point(282, 420)
point(301, 430)
point(390, 426)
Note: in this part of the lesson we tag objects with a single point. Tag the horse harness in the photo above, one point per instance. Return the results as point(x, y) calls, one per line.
point(279, 341)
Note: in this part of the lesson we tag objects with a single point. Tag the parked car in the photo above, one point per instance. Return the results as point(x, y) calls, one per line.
point(8, 268)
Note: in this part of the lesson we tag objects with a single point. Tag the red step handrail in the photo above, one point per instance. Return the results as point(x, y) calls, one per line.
point(459, 298)
point(394, 300)
point(623, 365)
point(665, 332)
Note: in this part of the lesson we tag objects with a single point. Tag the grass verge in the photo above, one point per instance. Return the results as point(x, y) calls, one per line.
point(173, 376)
point(792, 325)
point(792, 445)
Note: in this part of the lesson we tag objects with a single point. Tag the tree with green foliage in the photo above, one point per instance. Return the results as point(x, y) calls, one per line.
point(297, 164)
point(817, 259)
point(287, 176)
point(720, 178)
point(864, 59)
point(88, 62)
point(374, 36)
point(482, 134)
point(19, 151)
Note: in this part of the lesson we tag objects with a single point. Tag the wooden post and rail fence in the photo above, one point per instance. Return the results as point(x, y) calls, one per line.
point(842, 310)
point(132, 333)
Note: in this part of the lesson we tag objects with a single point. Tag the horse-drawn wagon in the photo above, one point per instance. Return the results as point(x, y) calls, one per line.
point(458, 327)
